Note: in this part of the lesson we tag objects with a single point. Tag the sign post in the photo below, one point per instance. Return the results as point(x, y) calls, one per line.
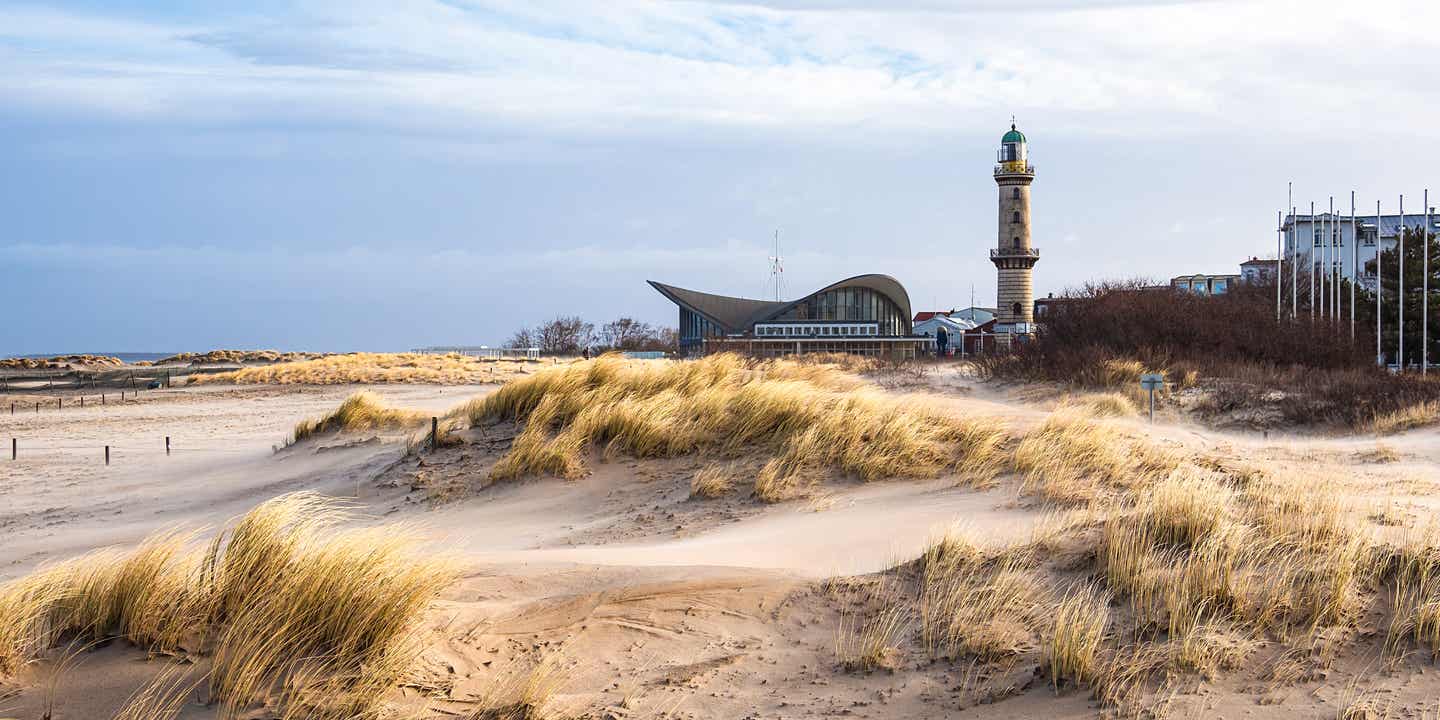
point(1152, 382)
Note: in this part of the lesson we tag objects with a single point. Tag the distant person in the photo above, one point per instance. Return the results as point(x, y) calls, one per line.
point(586, 352)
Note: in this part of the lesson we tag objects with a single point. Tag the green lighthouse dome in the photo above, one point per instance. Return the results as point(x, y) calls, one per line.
point(1014, 136)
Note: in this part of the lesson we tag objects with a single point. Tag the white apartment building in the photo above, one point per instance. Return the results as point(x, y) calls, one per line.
point(1324, 237)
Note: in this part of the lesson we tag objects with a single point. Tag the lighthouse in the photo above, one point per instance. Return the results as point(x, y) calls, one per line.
point(1013, 255)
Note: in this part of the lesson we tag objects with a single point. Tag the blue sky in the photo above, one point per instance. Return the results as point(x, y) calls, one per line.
point(356, 174)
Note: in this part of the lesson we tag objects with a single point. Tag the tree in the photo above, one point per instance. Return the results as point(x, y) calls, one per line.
point(626, 334)
point(523, 338)
point(565, 335)
point(1414, 299)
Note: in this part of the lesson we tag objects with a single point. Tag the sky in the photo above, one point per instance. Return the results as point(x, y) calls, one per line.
point(373, 175)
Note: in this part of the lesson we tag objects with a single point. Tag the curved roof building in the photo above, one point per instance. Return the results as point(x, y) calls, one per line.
point(863, 315)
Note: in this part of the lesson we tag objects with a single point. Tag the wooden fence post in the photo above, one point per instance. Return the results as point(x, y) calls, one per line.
point(434, 433)
point(167, 446)
point(14, 448)
point(107, 454)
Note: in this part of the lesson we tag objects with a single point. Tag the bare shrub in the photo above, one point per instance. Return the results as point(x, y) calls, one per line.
point(1107, 334)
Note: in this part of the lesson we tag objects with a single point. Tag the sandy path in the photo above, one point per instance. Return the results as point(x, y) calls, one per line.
point(59, 498)
point(863, 529)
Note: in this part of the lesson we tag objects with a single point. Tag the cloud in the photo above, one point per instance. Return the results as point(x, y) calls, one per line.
point(626, 68)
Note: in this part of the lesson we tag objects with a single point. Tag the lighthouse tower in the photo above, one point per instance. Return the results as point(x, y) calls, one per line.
point(1013, 256)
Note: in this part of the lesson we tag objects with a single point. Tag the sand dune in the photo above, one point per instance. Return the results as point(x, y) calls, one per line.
point(648, 603)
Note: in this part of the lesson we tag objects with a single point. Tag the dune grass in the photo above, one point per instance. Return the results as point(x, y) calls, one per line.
point(712, 481)
point(361, 411)
point(376, 369)
point(1081, 618)
point(1101, 404)
point(1167, 566)
point(1070, 459)
point(285, 599)
point(807, 417)
point(1409, 417)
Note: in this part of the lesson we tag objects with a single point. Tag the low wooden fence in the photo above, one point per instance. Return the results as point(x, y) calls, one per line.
point(125, 378)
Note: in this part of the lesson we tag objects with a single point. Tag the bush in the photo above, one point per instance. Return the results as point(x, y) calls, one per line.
point(1106, 335)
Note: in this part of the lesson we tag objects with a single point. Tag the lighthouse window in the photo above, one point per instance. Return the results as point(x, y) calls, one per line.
point(1016, 242)
point(1015, 193)
point(1015, 217)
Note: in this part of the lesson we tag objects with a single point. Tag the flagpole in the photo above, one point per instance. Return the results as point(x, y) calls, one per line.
point(1330, 259)
point(1310, 260)
point(1294, 265)
point(1379, 283)
point(1324, 266)
point(1354, 265)
point(1400, 295)
point(1279, 253)
point(1337, 263)
point(1425, 292)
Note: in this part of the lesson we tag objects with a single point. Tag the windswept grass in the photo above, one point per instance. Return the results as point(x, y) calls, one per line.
point(712, 481)
point(363, 410)
point(979, 601)
point(867, 636)
point(1405, 418)
point(1070, 459)
point(375, 369)
point(808, 417)
point(524, 694)
point(1081, 619)
point(287, 599)
point(1101, 404)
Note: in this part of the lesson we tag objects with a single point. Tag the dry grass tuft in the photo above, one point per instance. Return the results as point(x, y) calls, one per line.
point(164, 697)
point(363, 410)
point(1069, 459)
point(808, 416)
point(1081, 619)
point(978, 601)
point(867, 638)
point(288, 596)
point(377, 368)
point(1406, 418)
point(1381, 454)
point(1106, 404)
point(713, 481)
point(524, 695)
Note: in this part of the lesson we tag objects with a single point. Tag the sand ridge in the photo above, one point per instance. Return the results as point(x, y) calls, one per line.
point(655, 604)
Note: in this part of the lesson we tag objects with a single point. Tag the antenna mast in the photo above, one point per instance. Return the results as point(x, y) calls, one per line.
point(777, 269)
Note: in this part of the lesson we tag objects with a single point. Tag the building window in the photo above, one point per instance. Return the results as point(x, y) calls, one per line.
point(1016, 242)
point(1015, 193)
point(1016, 309)
point(1015, 218)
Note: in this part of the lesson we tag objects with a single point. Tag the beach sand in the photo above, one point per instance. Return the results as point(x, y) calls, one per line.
point(661, 606)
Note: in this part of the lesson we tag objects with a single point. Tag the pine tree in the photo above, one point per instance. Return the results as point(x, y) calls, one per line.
point(1414, 299)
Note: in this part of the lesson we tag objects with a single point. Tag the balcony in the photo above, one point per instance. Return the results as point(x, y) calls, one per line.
point(1014, 168)
point(1032, 252)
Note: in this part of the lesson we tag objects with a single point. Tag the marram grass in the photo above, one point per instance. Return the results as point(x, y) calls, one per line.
point(376, 369)
point(286, 600)
point(806, 417)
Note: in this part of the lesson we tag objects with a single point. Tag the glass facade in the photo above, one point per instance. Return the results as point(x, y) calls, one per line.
point(694, 328)
point(853, 304)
